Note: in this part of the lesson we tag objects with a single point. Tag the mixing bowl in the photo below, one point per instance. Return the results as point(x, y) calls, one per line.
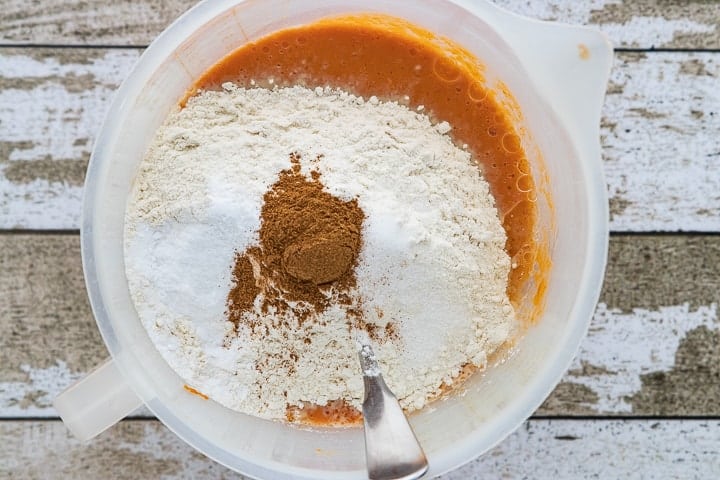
point(557, 75)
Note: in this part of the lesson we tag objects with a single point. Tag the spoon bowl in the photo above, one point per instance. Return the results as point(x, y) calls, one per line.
point(392, 451)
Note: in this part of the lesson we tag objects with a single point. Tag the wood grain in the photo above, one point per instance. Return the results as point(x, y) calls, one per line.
point(539, 449)
point(629, 23)
point(130, 450)
point(52, 103)
point(653, 347)
point(640, 24)
point(660, 146)
point(73, 22)
point(48, 337)
point(654, 344)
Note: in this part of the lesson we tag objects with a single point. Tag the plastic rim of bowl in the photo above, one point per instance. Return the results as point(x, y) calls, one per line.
point(537, 390)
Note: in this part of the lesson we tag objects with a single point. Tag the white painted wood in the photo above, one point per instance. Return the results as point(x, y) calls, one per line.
point(130, 450)
point(540, 449)
point(620, 347)
point(660, 142)
point(562, 449)
point(661, 146)
point(50, 111)
point(639, 24)
point(104, 22)
point(644, 24)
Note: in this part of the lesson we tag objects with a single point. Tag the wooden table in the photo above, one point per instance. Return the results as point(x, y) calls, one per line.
point(642, 399)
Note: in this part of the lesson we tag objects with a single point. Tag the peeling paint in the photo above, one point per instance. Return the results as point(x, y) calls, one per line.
point(71, 57)
point(67, 171)
point(614, 88)
point(8, 148)
point(694, 66)
point(636, 349)
point(44, 276)
point(656, 157)
point(73, 83)
point(634, 23)
point(45, 314)
point(570, 398)
point(651, 271)
point(607, 126)
point(91, 21)
point(601, 449)
point(647, 113)
point(587, 368)
point(691, 386)
point(129, 450)
point(49, 119)
point(561, 449)
point(618, 205)
point(123, 460)
point(34, 397)
point(649, 23)
point(651, 156)
point(699, 40)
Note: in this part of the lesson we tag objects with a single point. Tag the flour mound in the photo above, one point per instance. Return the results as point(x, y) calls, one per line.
point(432, 261)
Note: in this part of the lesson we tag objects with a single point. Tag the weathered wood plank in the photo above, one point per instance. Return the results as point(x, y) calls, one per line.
point(72, 22)
point(129, 450)
point(601, 449)
point(540, 449)
point(661, 150)
point(51, 105)
point(48, 336)
point(635, 23)
point(653, 348)
point(660, 147)
point(629, 23)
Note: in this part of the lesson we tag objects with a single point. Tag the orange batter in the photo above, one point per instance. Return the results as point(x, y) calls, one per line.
point(393, 60)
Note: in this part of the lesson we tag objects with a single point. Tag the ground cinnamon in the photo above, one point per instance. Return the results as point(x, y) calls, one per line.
point(309, 240)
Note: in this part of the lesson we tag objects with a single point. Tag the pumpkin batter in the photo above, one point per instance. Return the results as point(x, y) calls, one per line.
point(393, 60)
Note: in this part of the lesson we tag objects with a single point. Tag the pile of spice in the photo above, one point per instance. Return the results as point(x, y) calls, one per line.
point(266, 228)
point(309, 242)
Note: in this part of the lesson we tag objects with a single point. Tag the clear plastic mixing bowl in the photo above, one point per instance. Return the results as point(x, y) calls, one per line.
point(557, 75)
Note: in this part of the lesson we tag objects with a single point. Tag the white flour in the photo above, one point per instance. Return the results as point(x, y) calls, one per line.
point(432, 259)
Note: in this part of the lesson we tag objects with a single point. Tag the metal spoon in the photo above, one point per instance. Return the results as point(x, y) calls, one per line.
point(392, 451)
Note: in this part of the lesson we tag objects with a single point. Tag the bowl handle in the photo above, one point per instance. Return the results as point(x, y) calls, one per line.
point(96, 402)
point(570, 66)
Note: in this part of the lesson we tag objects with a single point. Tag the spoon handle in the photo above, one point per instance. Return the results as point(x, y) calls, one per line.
point(392, 451)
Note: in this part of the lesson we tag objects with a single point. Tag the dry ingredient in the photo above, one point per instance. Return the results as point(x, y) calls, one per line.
point(429, 278)
point(308, 239)
point(371, 54)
